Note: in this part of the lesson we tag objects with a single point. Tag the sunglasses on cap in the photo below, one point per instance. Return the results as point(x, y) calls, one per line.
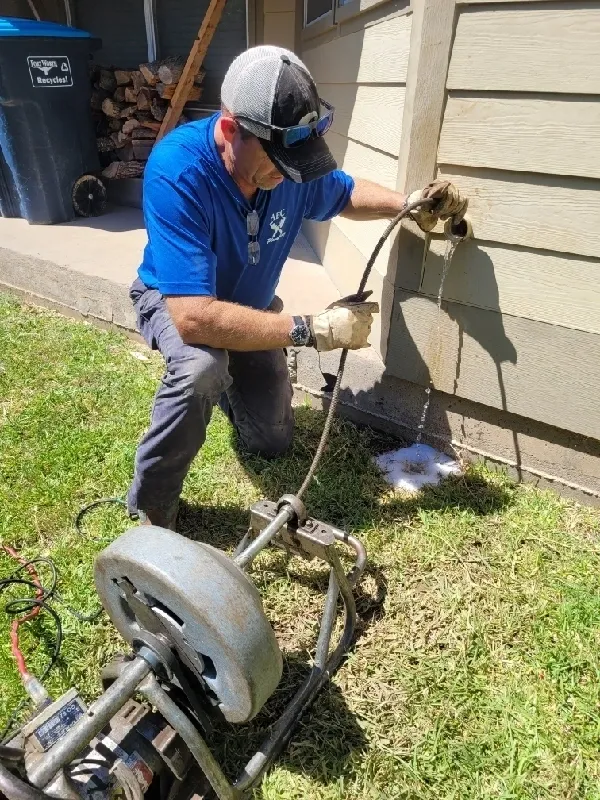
point(298, 134)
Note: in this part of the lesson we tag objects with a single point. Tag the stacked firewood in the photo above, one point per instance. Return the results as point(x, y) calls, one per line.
point(128, 107)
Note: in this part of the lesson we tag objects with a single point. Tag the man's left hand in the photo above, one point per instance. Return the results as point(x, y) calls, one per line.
point(447, 203)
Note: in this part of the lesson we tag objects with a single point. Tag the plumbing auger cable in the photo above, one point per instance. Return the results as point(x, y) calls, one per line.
point(335, 395)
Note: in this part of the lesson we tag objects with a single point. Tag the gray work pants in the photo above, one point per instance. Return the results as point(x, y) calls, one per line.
point(253, 388)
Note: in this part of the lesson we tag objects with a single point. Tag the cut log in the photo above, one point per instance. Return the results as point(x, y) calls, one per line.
point(123, 169)
point(116, 140)
point(115, 125)
point(119, 94)
point(130, 126)
point(167, 92)
point(123, 77)
point(151, 125)
point(150, 72)
point(144, 98)
point(111, 108)
point(158, 109)
point(128, 110)
point(131, 94)
point(101, 124)
point(170, 71)
point(137, 80)
point(107, 80)
point(97, 98)
point(169, 74)
point(143, 133)
point(104, 144)
point(142, 149)
point(171, 67)
point(125, 152)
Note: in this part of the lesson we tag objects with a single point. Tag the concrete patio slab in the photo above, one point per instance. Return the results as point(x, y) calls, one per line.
point(86, 266)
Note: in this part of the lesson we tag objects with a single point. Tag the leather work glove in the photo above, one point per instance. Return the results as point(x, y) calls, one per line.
point(345, 323)
point(448, 203)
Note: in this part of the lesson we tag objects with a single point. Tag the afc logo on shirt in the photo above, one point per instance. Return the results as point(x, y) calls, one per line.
point(278, 220)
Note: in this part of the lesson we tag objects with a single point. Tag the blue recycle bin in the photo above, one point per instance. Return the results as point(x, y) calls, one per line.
point(47, 139)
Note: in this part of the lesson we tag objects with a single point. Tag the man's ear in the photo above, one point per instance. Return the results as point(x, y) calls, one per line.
point(228, 128)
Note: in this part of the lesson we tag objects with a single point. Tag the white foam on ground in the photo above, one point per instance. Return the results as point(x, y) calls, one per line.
point(411, 468)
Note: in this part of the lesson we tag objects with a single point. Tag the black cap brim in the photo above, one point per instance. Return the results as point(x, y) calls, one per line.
point(303, 163)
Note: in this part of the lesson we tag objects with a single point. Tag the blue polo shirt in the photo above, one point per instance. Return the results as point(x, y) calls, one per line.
point(195, 217)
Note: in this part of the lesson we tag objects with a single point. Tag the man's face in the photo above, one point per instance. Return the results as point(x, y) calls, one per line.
point(252, 164)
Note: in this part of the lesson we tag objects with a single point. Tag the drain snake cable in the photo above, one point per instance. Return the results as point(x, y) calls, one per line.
point(30, 607)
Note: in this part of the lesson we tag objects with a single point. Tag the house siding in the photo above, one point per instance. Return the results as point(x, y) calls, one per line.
point(520, 137)
point(359, 63)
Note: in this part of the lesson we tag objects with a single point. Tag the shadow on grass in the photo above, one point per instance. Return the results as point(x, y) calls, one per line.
point(349, 492)
point(326, 736)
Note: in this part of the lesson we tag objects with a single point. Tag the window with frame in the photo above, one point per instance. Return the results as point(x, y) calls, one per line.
point(316, 9)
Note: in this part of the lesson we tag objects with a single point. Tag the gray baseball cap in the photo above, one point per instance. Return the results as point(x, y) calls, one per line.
point(272, 94)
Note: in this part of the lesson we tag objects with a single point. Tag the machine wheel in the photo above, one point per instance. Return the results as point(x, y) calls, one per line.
point(89, 196)
point(157, 586)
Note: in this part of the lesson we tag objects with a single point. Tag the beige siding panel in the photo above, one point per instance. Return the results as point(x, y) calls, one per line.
point(344, 264)
point(364, 235)
point(547, 49)
point(377, 54)
point(363, 162)
point(279, 6)
point(540, 285)
point(358, 113)
point(342, 260)
point(280, 29)
point(558, 137)
point(544, 372)
point(532, 210)
point(512, 2)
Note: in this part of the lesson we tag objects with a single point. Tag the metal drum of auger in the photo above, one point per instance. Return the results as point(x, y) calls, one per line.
point(202, 651)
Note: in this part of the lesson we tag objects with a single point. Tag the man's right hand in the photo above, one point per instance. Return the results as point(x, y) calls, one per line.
point(346, 323)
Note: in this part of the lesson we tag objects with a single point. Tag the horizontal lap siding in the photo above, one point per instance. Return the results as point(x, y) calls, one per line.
point(545, 372)
point(528, 49)
point(541, 211)
point(539, 285)
point(362, 73)
point(376, 54)
point(555, 136)
point(520, 137)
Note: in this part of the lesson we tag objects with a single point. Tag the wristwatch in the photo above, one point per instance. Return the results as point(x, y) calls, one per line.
point(300, 333)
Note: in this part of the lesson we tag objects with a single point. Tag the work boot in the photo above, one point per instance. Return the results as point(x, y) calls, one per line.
point(162, 519)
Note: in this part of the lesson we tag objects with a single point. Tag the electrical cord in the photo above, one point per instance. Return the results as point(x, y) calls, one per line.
point(94, 504)
point(25, 609)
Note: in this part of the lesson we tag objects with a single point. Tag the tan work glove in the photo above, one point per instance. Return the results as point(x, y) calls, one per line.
point(346, 323)
point(448, 203)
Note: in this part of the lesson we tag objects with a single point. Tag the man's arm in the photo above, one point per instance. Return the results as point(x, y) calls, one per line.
point(227, 326)
point(371, 201)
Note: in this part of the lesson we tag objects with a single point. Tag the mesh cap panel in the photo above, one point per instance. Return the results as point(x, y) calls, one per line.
point(250, 84)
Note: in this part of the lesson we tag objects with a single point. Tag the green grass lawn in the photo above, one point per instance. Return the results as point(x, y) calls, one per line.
point(476, 672)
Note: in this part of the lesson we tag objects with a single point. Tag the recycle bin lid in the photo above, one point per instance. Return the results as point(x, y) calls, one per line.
point(26, 28)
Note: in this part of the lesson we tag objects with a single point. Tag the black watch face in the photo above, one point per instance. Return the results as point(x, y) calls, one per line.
point(299, 334)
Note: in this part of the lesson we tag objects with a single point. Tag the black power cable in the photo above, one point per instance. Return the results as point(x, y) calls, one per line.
point(41, 599)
